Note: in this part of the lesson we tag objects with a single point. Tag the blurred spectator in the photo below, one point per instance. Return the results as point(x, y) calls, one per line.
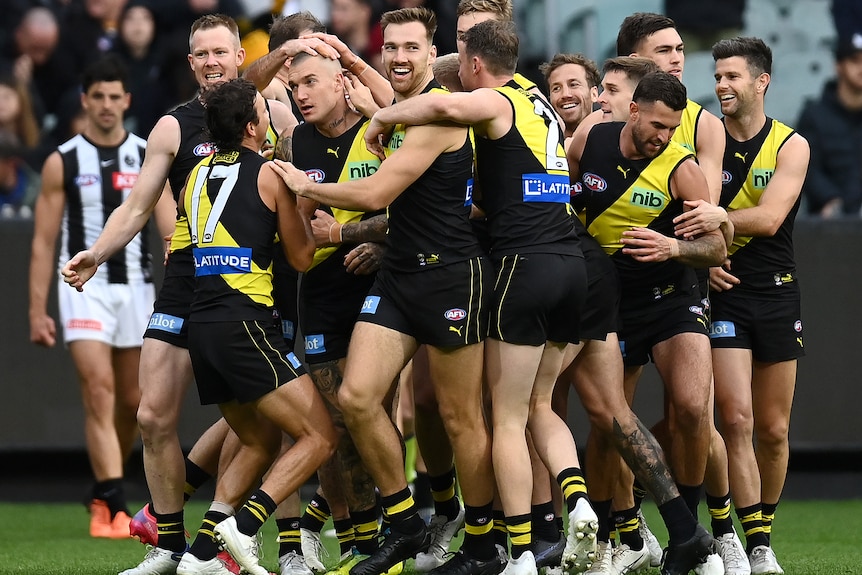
point(351, 21)
point(19, 184)
point(702, 24)
point(34, 58)
point(833, 127)
point(16, 111)
point(89, 30)
point(139, 46)
point(847, 16)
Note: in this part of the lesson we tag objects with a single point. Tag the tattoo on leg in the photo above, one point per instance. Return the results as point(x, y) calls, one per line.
point(644, 456)
point(327, 377)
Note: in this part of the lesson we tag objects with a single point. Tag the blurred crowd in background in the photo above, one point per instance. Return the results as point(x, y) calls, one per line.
point(45, 44)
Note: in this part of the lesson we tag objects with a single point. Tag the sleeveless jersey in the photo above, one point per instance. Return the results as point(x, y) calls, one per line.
point(331, 160)
point(747, 168)
point(619, 194)
point(193, 147)
point(429, 223)
point(96, 180)
point(686, 134)
point(525, 181)
point(232, 233)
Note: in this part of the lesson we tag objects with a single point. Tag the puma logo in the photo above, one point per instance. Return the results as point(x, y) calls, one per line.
point(456, 329)
point(799, 339)
point(333, 152)
point(740, 156)
point(625, 173)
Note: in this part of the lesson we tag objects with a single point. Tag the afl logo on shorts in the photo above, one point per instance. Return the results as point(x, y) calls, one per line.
point(725, 177)
point(204, 149)
point(315, 175)
point(577, 189)
point(594, 182)
point(798, 326)
point(86, 180)
point(456, 314)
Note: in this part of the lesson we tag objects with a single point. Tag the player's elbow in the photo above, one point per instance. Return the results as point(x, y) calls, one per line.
point(301, 260)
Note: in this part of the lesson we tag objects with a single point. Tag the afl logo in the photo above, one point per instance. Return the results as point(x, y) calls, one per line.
point(204, 149)
point(725, 177)
point(315, 175)
point(577, 188)
point(86, 180)
point(594, 182)
point(797, 326)
point(455, 314)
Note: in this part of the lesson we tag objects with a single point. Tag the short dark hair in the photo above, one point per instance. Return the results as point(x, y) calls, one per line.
point(229, 107)
point(637, 27)
point(406, 15)
point(286, 28)
point(496, 42)
point(108, 68)
point(634, 67)
point(577, 59)
point(756, 53)
point(661, 87)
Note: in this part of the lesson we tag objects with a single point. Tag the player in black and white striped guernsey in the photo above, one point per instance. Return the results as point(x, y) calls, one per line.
point(82, 182)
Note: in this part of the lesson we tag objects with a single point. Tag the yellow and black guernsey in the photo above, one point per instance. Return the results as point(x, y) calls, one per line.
point(525, 180)
point(686, 134)
point(331, 160)
point(429, 223)
point(620, 194)
point(232, 233)
point(761, 261)
point(194, 146)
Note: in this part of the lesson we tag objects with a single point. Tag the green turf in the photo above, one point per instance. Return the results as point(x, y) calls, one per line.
point(812, 538)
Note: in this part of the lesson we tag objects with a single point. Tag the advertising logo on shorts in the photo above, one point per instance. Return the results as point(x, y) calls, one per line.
point(726, 177)
point(204, 149)
point(315, 344)
point(455, 314)
point(316, 175)
point(797, 326)
point(165, 322)
point(370, 304)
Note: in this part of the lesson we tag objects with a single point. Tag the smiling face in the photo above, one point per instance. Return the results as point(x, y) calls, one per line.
point(736, 87)
point(570, 94)
point(407, 57)
point(666, 49)
point(216, 56)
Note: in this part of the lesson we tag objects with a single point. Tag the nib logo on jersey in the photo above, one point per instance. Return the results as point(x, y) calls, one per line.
point(554, 188)
point(359, 170)
point(222, 261)
point(644, 198)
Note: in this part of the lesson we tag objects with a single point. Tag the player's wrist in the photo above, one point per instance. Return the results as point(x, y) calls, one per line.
point(674, 248)
point(335, 234)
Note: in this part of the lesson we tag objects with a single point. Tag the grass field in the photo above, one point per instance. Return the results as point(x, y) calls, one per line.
point(812, 538)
